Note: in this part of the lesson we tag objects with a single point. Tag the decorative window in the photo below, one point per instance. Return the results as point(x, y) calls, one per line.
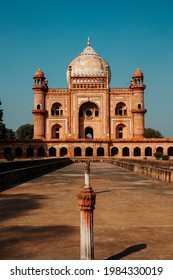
point(56, 131)
point(57, 109)
point(120, 133)
point(120, 109)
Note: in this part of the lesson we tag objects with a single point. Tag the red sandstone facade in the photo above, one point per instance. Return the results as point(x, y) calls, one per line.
point(89, 118)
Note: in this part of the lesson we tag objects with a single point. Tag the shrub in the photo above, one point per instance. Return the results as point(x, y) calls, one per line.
point(158, 155)
point(9, 156)
point(165, 157)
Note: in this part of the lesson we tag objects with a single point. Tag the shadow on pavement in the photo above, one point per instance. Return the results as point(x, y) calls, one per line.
point(27, 242)
point(128, 251)
point(15, 205)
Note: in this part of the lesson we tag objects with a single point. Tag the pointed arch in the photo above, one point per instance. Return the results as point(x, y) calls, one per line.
point(100, 152)
point(7, 150)
point(159, 149)
point(120, 131)
point(137, 152)
point(41, 152)
point(29, 152)
point(170, 151)
point(63, 152)
point(114, 151)
point(88, 114)
point(121, 109)
point(52, 152)
point(56, 131)
point(89, 152)
point(125, 152)
point(56, 109)
point(148, 151)
point(77, 151)
point(18, 152)
point(89, 133)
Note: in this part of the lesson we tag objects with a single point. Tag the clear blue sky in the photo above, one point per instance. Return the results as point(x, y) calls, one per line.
point(50, 33)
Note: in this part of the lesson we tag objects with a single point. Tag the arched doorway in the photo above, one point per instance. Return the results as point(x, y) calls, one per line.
point(114, 151)
point(89, 152)
point(137, 152)
point(159, 149)
point(121, 131)
point(89, 118)
point(41, 152)
point(77, 152)
point(148, 152)
point(170, 151)
point(100, 152)
point(7, 151)
point(56, 131)
point(125, 152)
point(52, 152)
point(89, 132)
point(18, 152)
point(63, 152)
point(29, 152)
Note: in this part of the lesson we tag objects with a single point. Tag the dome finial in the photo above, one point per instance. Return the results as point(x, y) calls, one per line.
point(88, 43)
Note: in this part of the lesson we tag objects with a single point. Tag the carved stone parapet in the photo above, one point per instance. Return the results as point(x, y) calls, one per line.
point(86, 199)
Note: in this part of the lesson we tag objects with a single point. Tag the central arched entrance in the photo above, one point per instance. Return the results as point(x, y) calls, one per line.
point(89, 132)
point(89, 120)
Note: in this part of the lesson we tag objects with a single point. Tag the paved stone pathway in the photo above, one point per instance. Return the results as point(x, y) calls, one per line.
point(133, 218)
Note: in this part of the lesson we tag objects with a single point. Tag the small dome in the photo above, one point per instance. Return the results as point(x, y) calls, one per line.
point(138, 73)
point(88, 63)
point(39, 73)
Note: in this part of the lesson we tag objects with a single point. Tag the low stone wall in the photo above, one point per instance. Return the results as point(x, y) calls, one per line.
point(162, 174)
point(32, 170)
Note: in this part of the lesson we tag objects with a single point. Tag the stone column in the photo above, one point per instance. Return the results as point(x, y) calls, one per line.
point(86, 202)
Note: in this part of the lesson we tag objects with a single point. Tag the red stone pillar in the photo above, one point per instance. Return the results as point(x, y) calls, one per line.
point(86, 202)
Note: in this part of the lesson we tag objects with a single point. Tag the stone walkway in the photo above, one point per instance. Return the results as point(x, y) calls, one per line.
point(133, 218)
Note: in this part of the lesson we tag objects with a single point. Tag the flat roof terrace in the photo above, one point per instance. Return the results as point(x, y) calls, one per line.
point(132, 218)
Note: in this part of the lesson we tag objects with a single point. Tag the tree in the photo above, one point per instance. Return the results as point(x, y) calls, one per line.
point(152, 133)
point(2, 125)
point(5, 133)
point(1, 113)
point(10, 134)
point(25, 132)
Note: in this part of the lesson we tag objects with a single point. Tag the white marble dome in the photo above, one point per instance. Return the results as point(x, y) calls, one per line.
point(88, 64)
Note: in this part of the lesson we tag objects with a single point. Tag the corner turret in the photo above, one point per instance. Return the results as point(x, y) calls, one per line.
point(40, 88)
point(138, 109)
